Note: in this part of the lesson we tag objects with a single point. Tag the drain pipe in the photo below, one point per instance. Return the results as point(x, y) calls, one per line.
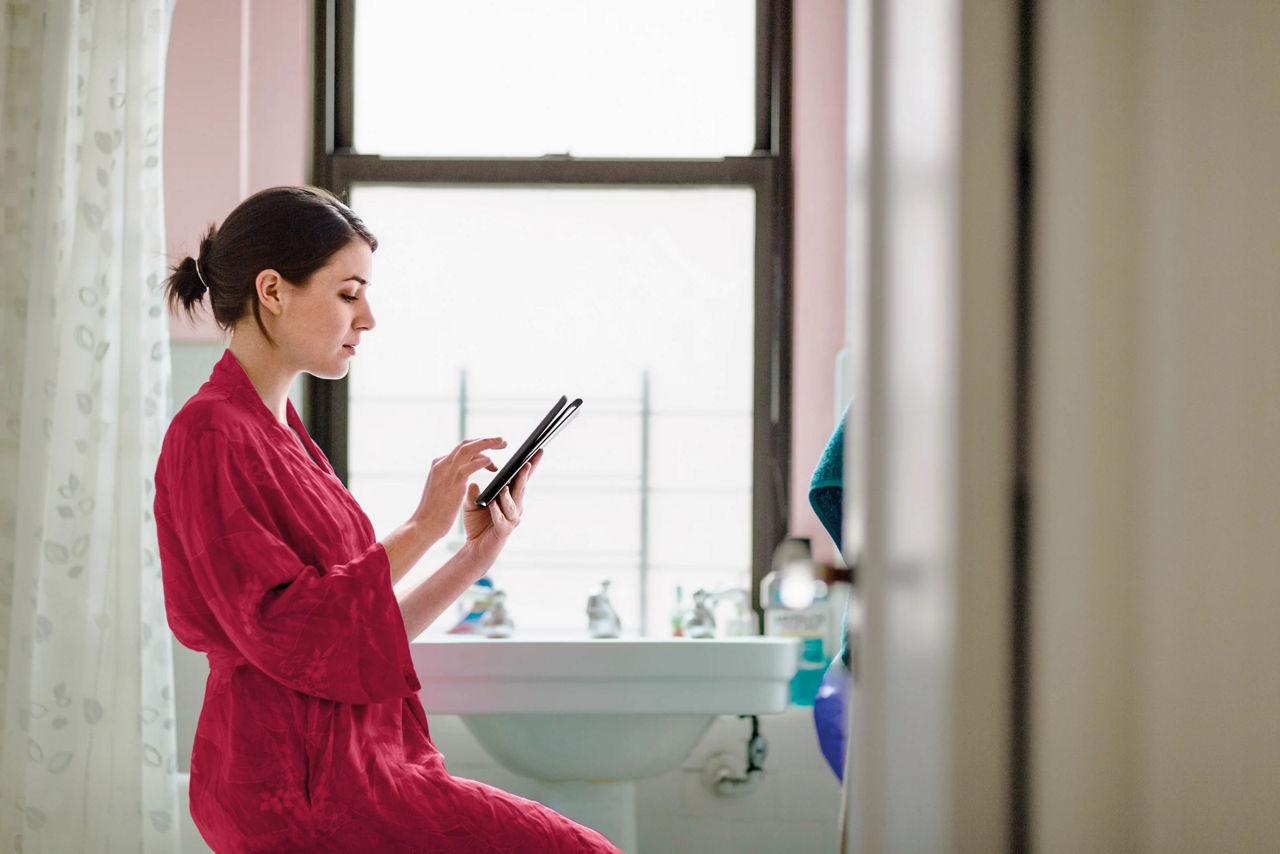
point(719, 775)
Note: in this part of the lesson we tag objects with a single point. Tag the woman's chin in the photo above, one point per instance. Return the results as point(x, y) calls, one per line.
point(331, 372)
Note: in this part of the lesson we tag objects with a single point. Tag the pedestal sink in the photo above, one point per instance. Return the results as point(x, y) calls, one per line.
point(590, 717)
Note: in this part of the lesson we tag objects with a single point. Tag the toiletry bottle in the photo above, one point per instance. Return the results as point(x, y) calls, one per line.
point(735, 615)
point(471, 607)
point(795, 605)
point(677, 616)
point(496, 622)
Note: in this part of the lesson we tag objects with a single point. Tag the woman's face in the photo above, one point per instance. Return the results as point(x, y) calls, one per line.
point(321, 322)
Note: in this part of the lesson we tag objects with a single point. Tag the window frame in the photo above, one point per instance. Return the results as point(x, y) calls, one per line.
point(336, 166)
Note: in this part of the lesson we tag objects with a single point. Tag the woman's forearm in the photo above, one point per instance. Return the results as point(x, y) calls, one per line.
point(405, 546)
point(429, 598)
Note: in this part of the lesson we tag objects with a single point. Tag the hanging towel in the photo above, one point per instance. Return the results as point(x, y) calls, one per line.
point(826, 497)
point(826, 488)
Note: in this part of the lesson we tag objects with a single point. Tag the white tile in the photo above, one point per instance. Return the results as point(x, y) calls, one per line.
point(692, 836)
point(808, 797)
point(658, 798)
point(658, 837)
point(456, 742)
point(687, 837)
point(810, 837)
point(698, 801)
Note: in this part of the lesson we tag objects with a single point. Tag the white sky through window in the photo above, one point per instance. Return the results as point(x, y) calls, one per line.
point(591, 78)
point(537, 292)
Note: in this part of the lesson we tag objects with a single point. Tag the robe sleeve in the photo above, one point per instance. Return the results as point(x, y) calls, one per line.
point(334, 632)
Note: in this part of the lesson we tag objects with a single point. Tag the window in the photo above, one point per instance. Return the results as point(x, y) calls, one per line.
point(570, 198)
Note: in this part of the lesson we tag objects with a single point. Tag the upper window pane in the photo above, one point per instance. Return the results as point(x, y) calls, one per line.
point(513, 78)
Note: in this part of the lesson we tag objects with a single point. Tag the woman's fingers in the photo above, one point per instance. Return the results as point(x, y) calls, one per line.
point(522, 478)
point(471, 447)
point(478, 462)
point(509, 507)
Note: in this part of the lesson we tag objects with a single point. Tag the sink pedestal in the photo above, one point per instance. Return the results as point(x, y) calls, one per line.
point(609, 807)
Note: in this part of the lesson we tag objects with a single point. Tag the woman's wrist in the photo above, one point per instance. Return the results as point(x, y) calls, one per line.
point(430, 597)
point(428, 530)
point(474, 558)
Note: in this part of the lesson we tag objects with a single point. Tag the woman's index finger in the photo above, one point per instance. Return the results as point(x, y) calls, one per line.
point(474, 445)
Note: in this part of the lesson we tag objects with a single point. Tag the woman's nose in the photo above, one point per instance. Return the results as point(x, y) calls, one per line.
point(366, 320)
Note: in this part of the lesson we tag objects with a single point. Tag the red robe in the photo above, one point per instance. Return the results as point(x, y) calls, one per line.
point(312, 737)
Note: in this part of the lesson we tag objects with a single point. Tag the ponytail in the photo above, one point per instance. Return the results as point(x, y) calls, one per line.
point(188, 282)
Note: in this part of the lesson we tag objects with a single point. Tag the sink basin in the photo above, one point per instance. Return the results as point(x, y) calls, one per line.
point(619, 709)
point(464, 675)
point(589, 717)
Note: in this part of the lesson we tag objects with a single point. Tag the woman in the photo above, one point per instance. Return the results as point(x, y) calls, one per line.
point(312, 737)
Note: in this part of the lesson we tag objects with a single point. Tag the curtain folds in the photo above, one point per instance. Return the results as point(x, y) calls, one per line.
point(87, 754)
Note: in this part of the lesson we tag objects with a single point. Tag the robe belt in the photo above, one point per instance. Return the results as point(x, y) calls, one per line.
point(225, 659)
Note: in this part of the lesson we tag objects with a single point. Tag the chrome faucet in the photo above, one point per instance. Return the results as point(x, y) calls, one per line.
point(496, 622)
point(700, 622)
point(602, 620)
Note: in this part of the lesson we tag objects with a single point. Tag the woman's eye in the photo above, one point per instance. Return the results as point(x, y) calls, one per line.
point(349, 297)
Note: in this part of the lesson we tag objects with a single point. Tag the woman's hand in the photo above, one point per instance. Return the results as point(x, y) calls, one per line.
point(447, 485)
point(489, 527)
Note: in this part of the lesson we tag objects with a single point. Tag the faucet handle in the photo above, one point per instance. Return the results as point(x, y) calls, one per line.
point(700, 622)
point(602, 619)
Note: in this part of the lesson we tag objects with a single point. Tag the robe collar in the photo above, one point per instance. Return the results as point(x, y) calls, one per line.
point(230, 376)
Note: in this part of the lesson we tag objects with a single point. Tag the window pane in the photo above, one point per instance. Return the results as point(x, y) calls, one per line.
point(492, 302)
point(486, 78)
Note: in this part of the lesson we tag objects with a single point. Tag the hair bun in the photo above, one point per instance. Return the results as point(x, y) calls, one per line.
point(185, 287)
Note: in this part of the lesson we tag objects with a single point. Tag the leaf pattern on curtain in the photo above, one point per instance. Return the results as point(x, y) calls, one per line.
point(87, 760)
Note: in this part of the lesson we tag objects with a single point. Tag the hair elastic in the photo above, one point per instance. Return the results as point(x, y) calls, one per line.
point(199, 276)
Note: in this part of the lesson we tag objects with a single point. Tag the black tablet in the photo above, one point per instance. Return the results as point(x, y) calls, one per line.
point(561, 414)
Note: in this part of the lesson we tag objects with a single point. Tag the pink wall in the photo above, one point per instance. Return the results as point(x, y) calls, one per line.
point(818, 148)
point(237, 114)
point(238, 119)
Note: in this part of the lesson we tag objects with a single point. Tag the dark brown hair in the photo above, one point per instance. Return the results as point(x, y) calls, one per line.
point(292, 230)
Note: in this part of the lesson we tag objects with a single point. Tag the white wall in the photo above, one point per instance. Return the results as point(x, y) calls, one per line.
point(1157, 470)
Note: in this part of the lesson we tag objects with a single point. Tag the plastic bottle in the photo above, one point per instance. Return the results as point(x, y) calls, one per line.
point(735, 616)
point(471, 607)
point(795, 605)
point(497, 622)
point(677, 615)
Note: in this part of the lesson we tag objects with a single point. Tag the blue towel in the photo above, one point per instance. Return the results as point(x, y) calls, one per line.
point(826, 497)
point(826, 488)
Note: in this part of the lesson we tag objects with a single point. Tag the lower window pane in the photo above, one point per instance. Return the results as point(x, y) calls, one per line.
point(491, 303)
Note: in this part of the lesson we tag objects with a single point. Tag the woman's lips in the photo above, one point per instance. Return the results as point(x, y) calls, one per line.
point(350, 348)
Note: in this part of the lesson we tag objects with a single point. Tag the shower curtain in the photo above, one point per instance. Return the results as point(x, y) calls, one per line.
point(87, 741)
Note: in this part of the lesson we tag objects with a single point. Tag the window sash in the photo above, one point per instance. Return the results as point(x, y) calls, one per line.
point(767, 170)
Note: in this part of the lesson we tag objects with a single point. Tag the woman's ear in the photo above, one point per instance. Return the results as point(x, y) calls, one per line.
point(270, 291)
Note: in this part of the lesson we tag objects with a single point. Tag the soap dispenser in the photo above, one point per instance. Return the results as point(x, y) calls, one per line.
point(796, 605)
point(602, 619)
